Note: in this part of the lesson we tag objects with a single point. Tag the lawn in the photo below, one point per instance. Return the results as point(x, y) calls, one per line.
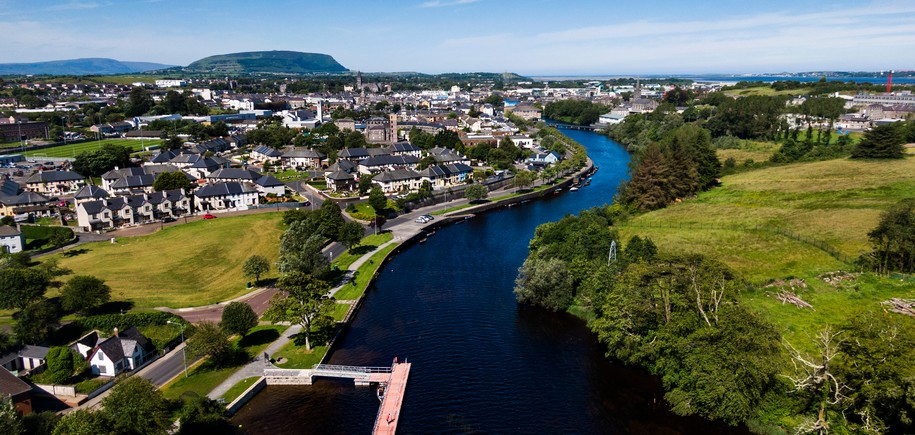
point(367, 244)
point(185, 265)
point(299, 358)
point(765, 90)
point(837, 202)
point(239, 388)
point(364, 275)
point(74, 149)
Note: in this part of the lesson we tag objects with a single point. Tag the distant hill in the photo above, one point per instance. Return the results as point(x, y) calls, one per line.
point(79, 67)
point(290, 62)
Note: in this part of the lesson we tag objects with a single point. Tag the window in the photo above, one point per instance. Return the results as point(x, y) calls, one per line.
point(102, 370)
point(101, 356)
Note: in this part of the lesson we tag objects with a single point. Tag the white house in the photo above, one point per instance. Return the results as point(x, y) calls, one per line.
point(11, 239)
point(398, 180)
point(228, 196)
point(122, 351)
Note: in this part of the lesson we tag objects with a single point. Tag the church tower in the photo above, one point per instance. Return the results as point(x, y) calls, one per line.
point(638, 90)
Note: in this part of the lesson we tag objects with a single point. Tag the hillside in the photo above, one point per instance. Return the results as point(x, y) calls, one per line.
point(88, 66)
point(291, 62)
point(800, 220)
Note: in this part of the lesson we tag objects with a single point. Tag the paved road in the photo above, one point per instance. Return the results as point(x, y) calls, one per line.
point(258, 299)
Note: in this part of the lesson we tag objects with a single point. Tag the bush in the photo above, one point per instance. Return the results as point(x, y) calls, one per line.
point(107, 322)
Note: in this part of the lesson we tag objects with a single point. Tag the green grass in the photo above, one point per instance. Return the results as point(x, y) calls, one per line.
point(364, 212)
point(299, 358)
point(290, 175)
point(186, 265)
point(340, 311)
point(364, 275)
point(453, 209)
point(259, 338)
point(239, 388)
point(72, 150)
point(837, 202)
point(765, 90)
point(367, 244)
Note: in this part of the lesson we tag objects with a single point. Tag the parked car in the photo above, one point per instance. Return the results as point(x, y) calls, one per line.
point(171, 219)
point(209, 216)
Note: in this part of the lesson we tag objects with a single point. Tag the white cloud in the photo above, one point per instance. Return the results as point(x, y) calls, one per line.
point(75, 6)
point(445, 3)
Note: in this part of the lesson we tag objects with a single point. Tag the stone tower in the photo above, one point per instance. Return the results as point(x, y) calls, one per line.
point(393, 118)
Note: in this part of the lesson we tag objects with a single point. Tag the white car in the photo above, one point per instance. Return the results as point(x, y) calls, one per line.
point(422, 219)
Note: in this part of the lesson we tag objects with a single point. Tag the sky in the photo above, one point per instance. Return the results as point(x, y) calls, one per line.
point(533, 37)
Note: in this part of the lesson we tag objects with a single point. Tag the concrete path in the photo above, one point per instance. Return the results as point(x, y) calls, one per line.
point(256, 367)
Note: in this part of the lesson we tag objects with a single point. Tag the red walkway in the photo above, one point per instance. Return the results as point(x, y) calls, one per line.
point(389, 412)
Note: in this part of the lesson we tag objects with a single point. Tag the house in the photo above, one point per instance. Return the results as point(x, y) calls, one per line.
point(445, 156)
point(269, 185)
point(398, 180)
point(25, 359)
point(233, 174)
point(404, 148)
point(377, 164)
point(522, 141)
point(54, 182)
point(263, 153)
point(613, 117)
point(302, 158)
point(115, 212)
point(442, 176)
point(17, 390)
point(11, 239)
point(226, 196)
point(340, 181)
point(345, 124)
point(31, 203)
point(526, 111)
point(356, 155)
point(544, 159)
point(122, 351)
point(201, 167)
point(90, 193)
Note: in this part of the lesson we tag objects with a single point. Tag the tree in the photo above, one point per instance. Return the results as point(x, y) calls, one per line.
point(202, 415)
point(881, 142)
point(21, 287)
point(138, 103)
point(300, 249)
point(238, 318)
point(35, 323)
point(365, 184)
point(210, 340)
point(40, 423)
point(351, 234)
point(524, 179)
point(84, 292)
point(894, 239)
point(547, 283)
point(255, 266)
point(172, 180)
point(377, 200)
point(136, 406)
point(476, 192)
point(302, 299)
point(9, 418)
point(97, 162)
point(63, 363)
point(85, 422)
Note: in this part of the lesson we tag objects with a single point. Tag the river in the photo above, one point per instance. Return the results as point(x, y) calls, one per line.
point(481, 362)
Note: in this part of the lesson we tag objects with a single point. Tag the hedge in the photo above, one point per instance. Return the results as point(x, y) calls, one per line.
point(107, 322)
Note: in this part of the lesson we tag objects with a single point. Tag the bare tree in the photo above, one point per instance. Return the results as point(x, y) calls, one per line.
point(812, 374)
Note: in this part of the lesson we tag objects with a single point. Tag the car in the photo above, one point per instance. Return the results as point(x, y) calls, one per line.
point(420, 220)
point(307, 203)
point(428, 217)
point(170, 219)
point(209, 216)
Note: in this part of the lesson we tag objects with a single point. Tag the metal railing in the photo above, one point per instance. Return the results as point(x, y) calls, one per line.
point(327, 368)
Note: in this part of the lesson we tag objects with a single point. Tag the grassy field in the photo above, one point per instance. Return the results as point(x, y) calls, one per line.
point(239, 388)
point(72, 150)
point(364, 275)
point(836, 202)
point(192, 264)
point(766, 91)
point(367, 244)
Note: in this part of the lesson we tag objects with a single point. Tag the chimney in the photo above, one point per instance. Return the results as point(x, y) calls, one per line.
point(115, 332)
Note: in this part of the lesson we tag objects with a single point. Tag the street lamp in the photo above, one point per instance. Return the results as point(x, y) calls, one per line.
point(184, 349)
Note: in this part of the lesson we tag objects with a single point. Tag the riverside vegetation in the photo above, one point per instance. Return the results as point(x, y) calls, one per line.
point(760, 298)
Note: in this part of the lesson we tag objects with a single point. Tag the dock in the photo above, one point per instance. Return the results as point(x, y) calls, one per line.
point(389, 411)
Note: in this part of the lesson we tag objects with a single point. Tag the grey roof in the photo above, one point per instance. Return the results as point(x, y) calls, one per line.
point(90, 191)
point(10, 385)
point(114, 174)
point(235, 174)
point(342, 165)
point(268, 181)
point(224, 189)
point(268, 151)
point(54, 177)
point(8, 231)
point(112, 348)
point(134, 181)
point(446, 170)
point(9, 187)
point(93, 207)
point(396, 175)
point(26, 198)
point(89, 340)
point(207, 163)
point(303, 153)
point(340, 176)
point(386, 160)
point(353, 153)
point(131, 338)
point(165, 156)
point(28, 351)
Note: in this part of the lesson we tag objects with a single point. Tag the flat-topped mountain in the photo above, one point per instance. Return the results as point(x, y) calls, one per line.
point(291, 62)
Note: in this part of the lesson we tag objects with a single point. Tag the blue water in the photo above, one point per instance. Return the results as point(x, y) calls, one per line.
point(481, 362)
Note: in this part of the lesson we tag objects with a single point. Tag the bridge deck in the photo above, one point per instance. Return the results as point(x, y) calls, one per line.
point(389, 412)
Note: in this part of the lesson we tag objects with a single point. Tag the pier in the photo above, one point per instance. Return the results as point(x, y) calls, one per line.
point(393, 380)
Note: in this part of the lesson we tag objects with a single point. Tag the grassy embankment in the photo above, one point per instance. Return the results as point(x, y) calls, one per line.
point(765, 91)
point(834, 202)
point(185, 265)
point(74, 149)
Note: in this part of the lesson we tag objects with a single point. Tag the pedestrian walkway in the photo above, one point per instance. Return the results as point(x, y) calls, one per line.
point(256, 367)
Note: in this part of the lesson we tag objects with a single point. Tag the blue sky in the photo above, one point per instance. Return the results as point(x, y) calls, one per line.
point(534, 37)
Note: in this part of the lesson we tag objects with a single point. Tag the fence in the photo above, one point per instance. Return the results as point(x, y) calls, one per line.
point(58, 390)
point(819, 244)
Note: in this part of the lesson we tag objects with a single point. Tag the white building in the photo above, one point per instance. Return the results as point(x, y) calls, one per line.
point(11, 239)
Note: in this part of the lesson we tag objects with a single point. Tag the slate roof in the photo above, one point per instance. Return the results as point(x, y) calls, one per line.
point(12, 386)
point(90, 191)
point(112, 348)
point(8, 231)
point(114, 174)
point(303, 153)
point(386, 160)
point(396, 175)
point(235, 173)
point(353, 153)
point(54, 177)
point(26, 198)
point(340, 176)
point(403, 147)
point(446, 170)
point(28, 351)
point(224, 189)
point(342, 165)
point(134, 182)
point(267, 151)
point(9, 187)
point(165, 156)
point(130, 339)
point(268, 181)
